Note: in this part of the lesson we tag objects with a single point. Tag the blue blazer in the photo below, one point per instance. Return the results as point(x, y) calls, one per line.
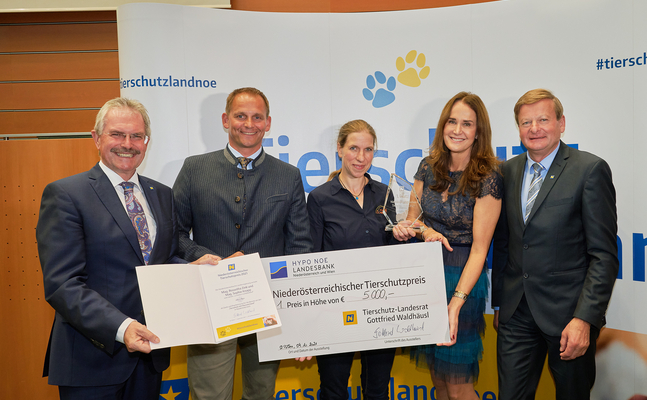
point(88, 251)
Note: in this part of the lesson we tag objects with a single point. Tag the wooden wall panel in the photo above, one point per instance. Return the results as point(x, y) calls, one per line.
point(27, 166)
point(283, 5)
point(22, 67)
point(42, 70)
point(344, 5)
point(49, 121)
point(390, 5)
point(58, 37)
point(73, 16)
point(25, 96)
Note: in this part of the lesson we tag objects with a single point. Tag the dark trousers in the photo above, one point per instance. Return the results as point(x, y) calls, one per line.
point(143, 384)
point(521, 351)
point(334, 371)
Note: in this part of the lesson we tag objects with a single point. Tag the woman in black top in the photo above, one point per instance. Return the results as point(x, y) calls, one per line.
point(345, 213)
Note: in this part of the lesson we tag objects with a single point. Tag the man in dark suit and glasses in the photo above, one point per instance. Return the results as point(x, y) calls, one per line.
point(555, 257)
point(94, 228)
point(234, 201)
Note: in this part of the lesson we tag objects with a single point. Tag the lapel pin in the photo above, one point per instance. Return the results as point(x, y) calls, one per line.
point(154, 189)
point(551, 177)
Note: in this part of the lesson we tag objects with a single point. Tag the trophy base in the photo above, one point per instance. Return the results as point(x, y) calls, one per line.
point(417, 229)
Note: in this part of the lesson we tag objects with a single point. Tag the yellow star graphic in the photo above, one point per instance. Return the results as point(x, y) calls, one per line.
point(170, 395)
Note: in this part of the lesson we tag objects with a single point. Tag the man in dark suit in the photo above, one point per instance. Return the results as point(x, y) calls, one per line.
point(239, 200)
point(555, 257)
point(93, 229)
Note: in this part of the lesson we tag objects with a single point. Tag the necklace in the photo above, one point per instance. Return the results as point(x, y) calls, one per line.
point(356, 196)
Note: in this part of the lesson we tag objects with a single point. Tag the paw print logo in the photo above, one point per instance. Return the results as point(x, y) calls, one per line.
point(382, 97)
point(410, 76)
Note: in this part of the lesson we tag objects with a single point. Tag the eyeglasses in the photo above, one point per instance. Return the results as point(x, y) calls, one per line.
point(134, 137)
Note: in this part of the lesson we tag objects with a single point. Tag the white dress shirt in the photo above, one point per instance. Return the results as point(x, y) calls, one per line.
point(116, 181)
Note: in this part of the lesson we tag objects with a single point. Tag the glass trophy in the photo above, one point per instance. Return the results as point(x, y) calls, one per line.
point(402, 203)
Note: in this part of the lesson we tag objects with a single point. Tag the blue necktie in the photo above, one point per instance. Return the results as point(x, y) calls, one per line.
point(533, 191)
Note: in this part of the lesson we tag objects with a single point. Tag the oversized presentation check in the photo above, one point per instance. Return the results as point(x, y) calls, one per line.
point(350, 300)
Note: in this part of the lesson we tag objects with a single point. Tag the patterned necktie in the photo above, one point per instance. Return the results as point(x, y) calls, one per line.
point(535, 185)
point(244, 161)
point(138, 218)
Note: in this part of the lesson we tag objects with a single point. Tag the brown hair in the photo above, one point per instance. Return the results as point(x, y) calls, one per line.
point(482, 159)
point(248, 90)
point(357, 125)
point(535, 95)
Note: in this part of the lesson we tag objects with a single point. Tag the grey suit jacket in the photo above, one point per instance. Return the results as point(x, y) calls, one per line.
point(229, 209)
point(565, 259)
point(88, 251)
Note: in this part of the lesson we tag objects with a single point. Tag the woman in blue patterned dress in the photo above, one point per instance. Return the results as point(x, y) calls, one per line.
point(461, 201)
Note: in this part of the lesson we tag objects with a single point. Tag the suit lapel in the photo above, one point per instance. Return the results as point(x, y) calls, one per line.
point(106, 193)
point(518, 169)
point(552, 176)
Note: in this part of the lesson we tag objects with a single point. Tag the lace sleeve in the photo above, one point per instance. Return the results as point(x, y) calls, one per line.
point(492, 184)
point(423, 170)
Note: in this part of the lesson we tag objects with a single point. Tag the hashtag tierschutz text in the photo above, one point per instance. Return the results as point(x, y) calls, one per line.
point(611, 63)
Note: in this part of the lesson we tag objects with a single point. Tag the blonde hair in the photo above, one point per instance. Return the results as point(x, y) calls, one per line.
point(535, 95)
